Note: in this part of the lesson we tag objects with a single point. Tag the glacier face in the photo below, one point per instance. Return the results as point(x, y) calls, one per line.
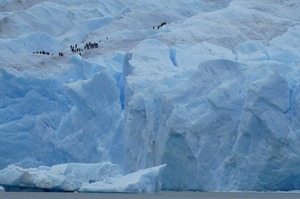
point(213, 93)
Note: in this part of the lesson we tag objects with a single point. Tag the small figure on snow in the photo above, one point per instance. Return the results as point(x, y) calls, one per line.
point(160, 25)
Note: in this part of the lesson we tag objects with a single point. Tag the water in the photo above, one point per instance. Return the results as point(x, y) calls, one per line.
point(161, 195)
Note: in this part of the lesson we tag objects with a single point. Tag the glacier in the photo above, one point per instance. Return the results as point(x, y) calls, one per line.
point(213, 94)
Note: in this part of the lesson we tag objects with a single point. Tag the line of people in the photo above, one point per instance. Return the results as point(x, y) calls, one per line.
point(74, 49)
point(47, 53)
point(42, 53)
point(89, 45)
point(160, 25)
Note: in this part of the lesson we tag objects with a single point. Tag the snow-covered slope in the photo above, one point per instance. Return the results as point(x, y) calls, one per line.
point(213, 93)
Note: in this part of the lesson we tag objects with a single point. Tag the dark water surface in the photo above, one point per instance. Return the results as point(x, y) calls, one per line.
point(161, 195)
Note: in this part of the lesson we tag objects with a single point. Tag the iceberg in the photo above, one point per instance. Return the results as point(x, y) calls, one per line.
point(97, 177)
point(63, 177)
point(141, 181)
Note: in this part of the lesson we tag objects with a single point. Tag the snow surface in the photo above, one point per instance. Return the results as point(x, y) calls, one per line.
point(214, 93)
point(100, 177)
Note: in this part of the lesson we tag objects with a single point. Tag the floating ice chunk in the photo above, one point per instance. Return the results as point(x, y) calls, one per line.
point(97, 177)
point(62, 177)
point(142, 181)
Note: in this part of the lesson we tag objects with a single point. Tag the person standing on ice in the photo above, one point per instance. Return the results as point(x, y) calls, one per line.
point(160, 25)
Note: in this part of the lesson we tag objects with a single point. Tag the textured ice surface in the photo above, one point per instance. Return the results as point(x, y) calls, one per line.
point(214, 93)
point(63, 177)
point(141, 181)
point(97, 177)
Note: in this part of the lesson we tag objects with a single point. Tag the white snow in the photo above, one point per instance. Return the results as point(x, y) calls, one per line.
point(214, 93)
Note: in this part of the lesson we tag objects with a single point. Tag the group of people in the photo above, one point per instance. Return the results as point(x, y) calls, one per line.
point(75, 48)
point(47, 53)
point(89, 45)
point(42, 53)
point(160, 25)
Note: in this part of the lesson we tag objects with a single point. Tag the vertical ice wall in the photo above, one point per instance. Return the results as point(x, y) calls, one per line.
point(212, 94)
point(224, 125)
point(72, 116)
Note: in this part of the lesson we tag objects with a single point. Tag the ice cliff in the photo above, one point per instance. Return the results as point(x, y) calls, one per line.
point(214, 93)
